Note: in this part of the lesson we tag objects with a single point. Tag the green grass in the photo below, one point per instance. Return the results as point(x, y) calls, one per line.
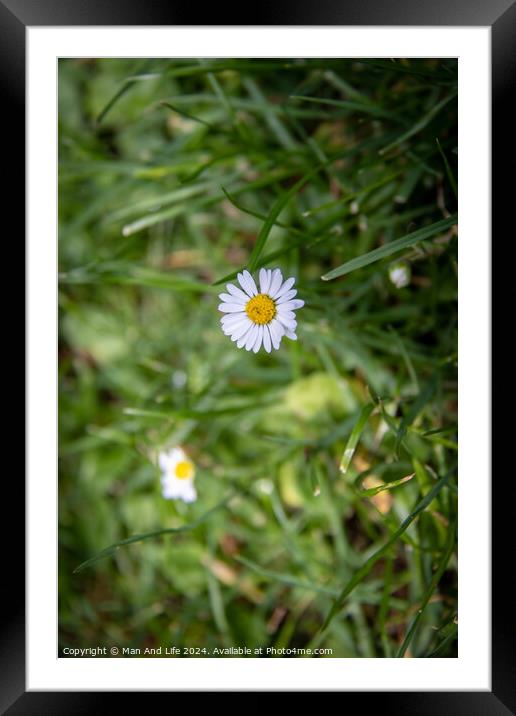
point(326, 471)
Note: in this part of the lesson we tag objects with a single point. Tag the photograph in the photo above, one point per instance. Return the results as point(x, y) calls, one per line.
point(257, 357)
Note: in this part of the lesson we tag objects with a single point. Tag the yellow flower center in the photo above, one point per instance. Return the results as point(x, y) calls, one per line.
point(184, 470)
point(261, 308)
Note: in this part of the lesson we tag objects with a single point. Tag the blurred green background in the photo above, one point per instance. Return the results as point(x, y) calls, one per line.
point(332, 462)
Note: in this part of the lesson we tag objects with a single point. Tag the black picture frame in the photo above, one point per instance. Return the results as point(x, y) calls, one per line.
point(500, 16)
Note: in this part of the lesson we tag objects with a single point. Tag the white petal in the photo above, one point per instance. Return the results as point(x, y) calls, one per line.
point(169, 458)
point(230, 307)
point(190, 495)
point(267, 339)
point(175, 489)
point(285, 313)
point(291, 305)
point(231, 329)
point(291, 335)
point(259, 338)
point(286, 286)
point(170, 486)
point(167, 492)
point(276, 330)
point(247, 283)
point(243, 282)
point(289, 323)
point(251, 337)
point(236, 292)
point(292, 325)
point(243, 338)
point(164, 459)
point(285, 297)
point(241, 330)
point(250, 281)
point(265, 280)
point(277, 278)
point(233, 299)
point(232, 317)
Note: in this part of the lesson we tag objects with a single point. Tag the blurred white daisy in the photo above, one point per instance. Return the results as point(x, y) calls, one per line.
point(399, 274)
point(260, 316)
point(177, 475)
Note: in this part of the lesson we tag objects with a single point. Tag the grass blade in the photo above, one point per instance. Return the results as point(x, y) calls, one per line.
point(262, 217)
point(426, 394)
point(109, 551)
point(187, 115)
point(197, 413)
point(136, 277)
point(276, 126)
point(391, 248)
point(385, 604)
point(355, 437)
point(421, 124)
point(450, 546)
point(277, 208)
point(449, 639)
point(369, 564)
point(287, 579)
point(370, 492)
point(127, 85)
point(365, 108)
point(449, 172)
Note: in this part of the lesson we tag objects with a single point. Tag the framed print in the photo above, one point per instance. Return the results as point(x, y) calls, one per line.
point(254, 339)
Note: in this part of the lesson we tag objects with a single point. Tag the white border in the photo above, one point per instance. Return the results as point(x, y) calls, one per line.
point(471, 670)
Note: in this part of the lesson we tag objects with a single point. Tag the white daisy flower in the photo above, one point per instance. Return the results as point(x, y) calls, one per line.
point(260, 316)
point(177, 478)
